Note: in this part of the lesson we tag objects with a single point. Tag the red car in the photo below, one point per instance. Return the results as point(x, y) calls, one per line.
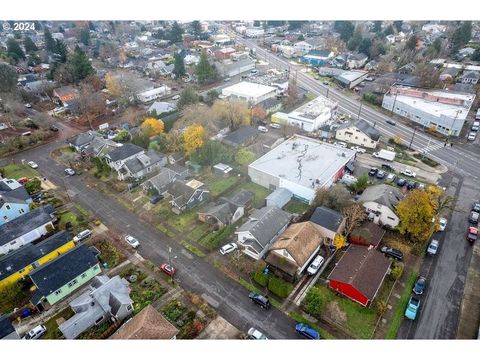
point(472, 234)
point(168, 269)
point(23, 180)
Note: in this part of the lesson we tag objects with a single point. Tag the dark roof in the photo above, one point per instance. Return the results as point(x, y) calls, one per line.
point(81, 139)
point(16, 196)
point(471, 75)
point(53, 275)
point(366, 128)
point(327, 218)
point(363, 268)
point(123, 152)
point(6, 327)
point(143, 161)
point(28, 254)
point(178, 169)
point(241, 198)
point(269, 103)
point(25, 223)
point(370, 232)
point(241, 136)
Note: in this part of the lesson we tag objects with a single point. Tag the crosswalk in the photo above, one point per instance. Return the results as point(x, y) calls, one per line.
point(433, 147)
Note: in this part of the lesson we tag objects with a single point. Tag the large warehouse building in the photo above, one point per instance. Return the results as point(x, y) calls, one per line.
point(301, 165)
point(250, 92)
point(438, 110)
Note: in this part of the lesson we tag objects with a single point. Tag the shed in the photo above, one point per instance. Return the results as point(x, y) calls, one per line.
point(279, 198)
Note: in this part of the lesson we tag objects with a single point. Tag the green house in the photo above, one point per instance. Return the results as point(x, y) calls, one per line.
point(59, 278)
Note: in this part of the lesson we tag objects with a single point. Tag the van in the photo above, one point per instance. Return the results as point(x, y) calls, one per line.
point(315, 265)
point(35, 333)
point(27, 133)
point(82, 235)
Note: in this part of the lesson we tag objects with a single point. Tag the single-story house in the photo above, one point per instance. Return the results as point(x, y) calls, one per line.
point(449, 74)
point(329, 222)
point(13, 203)
point(161, 107)
point(359, 274)
point(66, 95)
point(154, 94)
point(229, 68)
point(186, 195)
point(99, 146)
point(470, 77)
point(106, 299)
point(271, 105)
point(26, 228)
point(243, 136)
point(368, 234)
point(228, 210)
point(279, 198)
point(356, 60)
point(359, 133)
point(294, 249)
point(261, 230)
point(380, 202)
point(59, 278)
point(318, 58)
point(7, 331)
point(158, 67)
point(148, 324)
point(19, 263)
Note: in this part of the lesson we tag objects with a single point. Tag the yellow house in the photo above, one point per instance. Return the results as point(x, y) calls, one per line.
point(19, 263)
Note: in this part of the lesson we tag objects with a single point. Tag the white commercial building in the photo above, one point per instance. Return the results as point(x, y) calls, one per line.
point(254, 32)
point(311, 116)
point(302, 165)
point(250, 92)
point(153, 94)
point(438, 110)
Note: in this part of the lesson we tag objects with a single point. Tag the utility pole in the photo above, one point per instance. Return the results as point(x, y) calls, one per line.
point(411, 140)
point(394, 101)
point(451, 128)
point(360, 109)
point(328, 89)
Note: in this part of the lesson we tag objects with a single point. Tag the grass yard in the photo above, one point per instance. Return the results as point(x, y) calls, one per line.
point(51, 324)
point(397, 318)
point(194, 250)
point(68, 217)
point(260, 192)
point(197, 233)
point(249, 286)
point(218, 185)
point(360, 321)
point(82, 211)
point(166, 231)
point(296, 207)
point(178, 222)
point(16, 171)
point(214, 239)
point(109, 253)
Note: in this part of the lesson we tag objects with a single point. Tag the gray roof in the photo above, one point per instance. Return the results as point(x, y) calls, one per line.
point(15, 196)
point(327, 218)
point(269, 103)
point(104, 297)
point(82, 139)
point(241, 136)
point(161, 107)
point(162, 179)
point(364, 127)
point(6, 327)
point(279, 197)
point(240, 198)
point(222, 211)
point(25, 223)
point(471, 75)
point(382, 194)
point(265, 223)
point(28, 254)
point(177, 168)
point(180, 192)
point(143, 161)
point(55, 274)
point(123, 152)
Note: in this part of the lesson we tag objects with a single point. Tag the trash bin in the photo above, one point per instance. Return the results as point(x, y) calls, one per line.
point(105, 265)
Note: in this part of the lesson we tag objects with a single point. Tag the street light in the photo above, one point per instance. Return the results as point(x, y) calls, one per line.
point(453, 124)
point(170, 260)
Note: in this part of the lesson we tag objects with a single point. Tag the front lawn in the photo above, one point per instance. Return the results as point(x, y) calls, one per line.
point(200, 231)
point(216, 238)
point(299, 318)
point(17, 171)
point(52, 327)
point(179, 222)
point(109, 253)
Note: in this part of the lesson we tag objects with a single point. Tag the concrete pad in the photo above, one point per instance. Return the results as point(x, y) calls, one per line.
point(398, 296)
point(219, 329)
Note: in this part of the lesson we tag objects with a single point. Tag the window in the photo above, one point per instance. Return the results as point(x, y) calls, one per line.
point(99, 320)
point(129, 308)
point(95, 267)
point(84, 275)
point(8, 207)
point(390, 218)
point(21, 211)
point(5, 217)
point(72, 283)
point(58, 292)
point(13, 242)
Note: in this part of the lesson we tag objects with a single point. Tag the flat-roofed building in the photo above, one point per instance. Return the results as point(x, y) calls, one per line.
point(250, 92)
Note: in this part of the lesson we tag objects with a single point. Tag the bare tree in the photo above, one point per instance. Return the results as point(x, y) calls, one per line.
point(90, 103)
point(354, 216)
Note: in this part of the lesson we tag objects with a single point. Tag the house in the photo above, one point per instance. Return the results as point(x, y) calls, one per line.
point(158, 67)
point(279, 198)
point(13, 203)
point(160, 107)
point(356, 60)
point(99, 146)
point(81, 141)
point(449, 74)
point(66, 96)
point(318, 58)
point(7, 331)
point(224, 53)
point(358, 133)
point(228, 210)
point(271, 105)
point(470, 77)
point(153, 94)
point(159, 183)
point(261, 230)
point(368, 234)
point(59, 278)
point(359, 274)
point(302, 48)
point(148, 324)
point(380, 202)
point(9, 184)
point(191, 59)
point(186, 195)
point(106, 299)
point(328, 222)
point(351, 78)
point(294, 249)
point(26, 228)
point(19, 263)
point(243, 136)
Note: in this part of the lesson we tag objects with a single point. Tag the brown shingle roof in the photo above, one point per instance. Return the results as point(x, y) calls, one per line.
point(147, 324)
point(362, 267)
point(300, 240)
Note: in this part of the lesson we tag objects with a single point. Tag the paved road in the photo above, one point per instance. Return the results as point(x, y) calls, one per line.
point(461, 157)
point(225, 295)
point(445, 272)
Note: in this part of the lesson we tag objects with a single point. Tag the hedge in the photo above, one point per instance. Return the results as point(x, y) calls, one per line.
point(261, 279)
point(279, 287)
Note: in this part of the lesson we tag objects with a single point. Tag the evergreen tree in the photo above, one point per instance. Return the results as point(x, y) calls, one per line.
point(81, 67)
point(206, 73)
point(365, 45)
point(256, 23)
point(85, 37)
point(196, 28)
point(411, 43)
point(8, 78)
point(49, 41)
point(377, 26)
point(60, 51)
point(29, 45)
point(461, 36)
point(476, 55)
point(179, 66)
point(176, 33)
point(14, 50)
point(398, 25)
point(91, 26)
point(345, 29)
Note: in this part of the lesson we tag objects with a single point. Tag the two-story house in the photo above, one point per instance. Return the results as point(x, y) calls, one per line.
point(185, 195)
point(328, 222)
point(380, 202)
point(13, 203)
point(358, 133)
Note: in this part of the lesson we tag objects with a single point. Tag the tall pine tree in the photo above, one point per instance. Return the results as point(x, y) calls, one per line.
point(205, 72)
point(29, 45)
point(179, 65)
point(49, 41)
point(81, 67)
point(14, 50)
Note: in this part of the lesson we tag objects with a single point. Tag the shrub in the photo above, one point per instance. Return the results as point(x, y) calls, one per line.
point(396, 272)
point(312, 303)
point(33, 185)
point(279, 287)
point(381, 307)
point(260, 278)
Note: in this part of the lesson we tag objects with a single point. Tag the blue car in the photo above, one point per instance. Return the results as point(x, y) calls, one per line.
point(420, 285)
point(412, 308)
point(307, 332)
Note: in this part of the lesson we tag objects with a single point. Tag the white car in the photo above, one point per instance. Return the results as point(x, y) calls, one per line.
point(315, 265)
point(69, 171)
point(275, 125)
point(82, 235)
point(255, 334)
point(32, 164)
point(442, 224)
point(262, 129)
point(359, 149)
point(340, 143)
point(408, 172)
point(28, 106)
point(176, 97)
point(132, 241)
point(35, 333)
point(227, 249)
point(433, 247)
point(472, 136)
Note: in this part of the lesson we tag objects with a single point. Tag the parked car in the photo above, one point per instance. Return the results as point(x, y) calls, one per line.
point(410, 185)
point(391, 252)
point(472, 136)
point(23, 180)
point(156, 199)
point(433, 247)
point(390, 122)
point(134, 243)
point(475, 126)
point(262, 129)
point(176, 97)
point(359, 149)
point(54, 128)
point(35, 333)
point(275, 125)
point(226, 249)
point(307, 331)
point(82, 235)
point(380, 174)
point(168, 269)
point(315, 265)
point(373, 172)
point(391, 178)
point(28, 106)
point(412, 308)
point(472, 234)
point(409, 173)
point(420, 285)
point(32, 164)
point(401, 182)
point(255, 334)
point(442, 224)
point(259, 300)
point(340, 143)
point(227, 79)
point(69, 171)
point(476, 207)
point(388, 167)
point(473, 218)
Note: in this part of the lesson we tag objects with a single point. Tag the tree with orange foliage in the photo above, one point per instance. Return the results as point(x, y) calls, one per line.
point(194, 138)
point(259, 113)
point(152, 127)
